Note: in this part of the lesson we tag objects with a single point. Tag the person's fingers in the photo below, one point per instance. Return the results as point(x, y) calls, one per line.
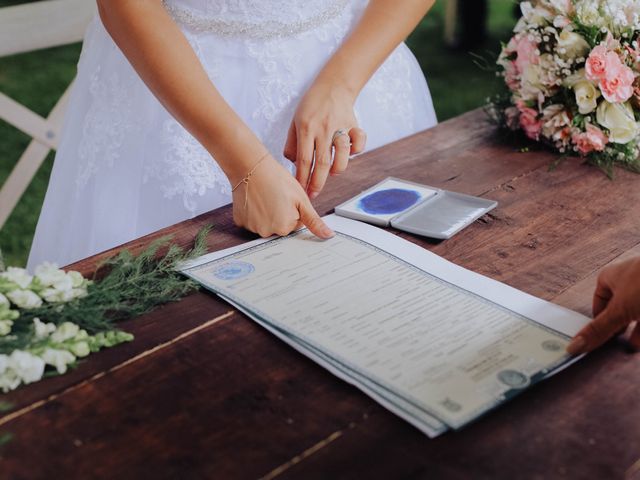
point(598, 331)
point(342, 148)
point(304, 157)
point(310, 218)
point(601, 296)
point(321, 166)
point(634, 338)
point(291, 143)
point(358, 140)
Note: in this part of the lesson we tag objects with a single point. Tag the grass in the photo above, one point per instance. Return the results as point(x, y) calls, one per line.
point(38, 79)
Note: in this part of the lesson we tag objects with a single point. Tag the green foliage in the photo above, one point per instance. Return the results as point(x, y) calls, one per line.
point(131, 286)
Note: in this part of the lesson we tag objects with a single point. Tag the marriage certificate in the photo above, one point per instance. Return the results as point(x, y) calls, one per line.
point(435, 343)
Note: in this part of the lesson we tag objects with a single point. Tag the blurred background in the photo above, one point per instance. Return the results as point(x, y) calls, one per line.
point(446, 44)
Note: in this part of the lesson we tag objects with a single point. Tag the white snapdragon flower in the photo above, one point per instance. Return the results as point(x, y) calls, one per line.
point(41, 329)
point(77, 279)
point(8, 378)
point(24, 299)
point(4, 301)
point(19, 276)
point(49, 274)
point(60, 359)
point(65, 332)
point(27, 367)
point(80, 349)
point(5, 327)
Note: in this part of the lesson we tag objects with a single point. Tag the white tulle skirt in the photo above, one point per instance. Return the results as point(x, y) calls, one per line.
point(126, 168)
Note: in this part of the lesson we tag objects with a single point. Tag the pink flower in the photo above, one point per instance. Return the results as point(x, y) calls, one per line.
point(530, 122)
point(511, 77)
point(596, 63)
point(593, 139)
point(527, 53)
point(617, 83)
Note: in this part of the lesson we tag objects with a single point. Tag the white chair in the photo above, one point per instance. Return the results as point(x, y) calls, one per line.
point(25, 28)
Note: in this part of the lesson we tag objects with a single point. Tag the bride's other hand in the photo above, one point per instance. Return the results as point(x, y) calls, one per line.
point(313, 143)
point(271, 202)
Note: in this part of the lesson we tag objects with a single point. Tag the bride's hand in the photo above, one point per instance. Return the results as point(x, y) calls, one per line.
point(325, 109)
point(271, 202)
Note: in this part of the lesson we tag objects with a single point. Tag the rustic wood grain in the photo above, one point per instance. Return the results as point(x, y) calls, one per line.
point(205, 393)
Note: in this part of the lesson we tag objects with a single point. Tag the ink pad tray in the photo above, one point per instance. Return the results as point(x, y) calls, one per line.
point(414, 208)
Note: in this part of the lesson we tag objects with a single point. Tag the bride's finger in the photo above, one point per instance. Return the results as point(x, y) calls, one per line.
point(290, 145)
point(321, 167)
point(358, 140)
point(342, 146)
point(304, 158)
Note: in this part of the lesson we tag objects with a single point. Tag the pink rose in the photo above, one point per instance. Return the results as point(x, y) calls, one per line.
point(527, 53)
point(596, 63)
point(593, 139)
point(530, 122)
point(511, 77)
point(617, 83)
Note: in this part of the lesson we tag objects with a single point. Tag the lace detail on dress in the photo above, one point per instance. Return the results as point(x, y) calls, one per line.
point(393, 90)
point(186, 169)
point(108, 120)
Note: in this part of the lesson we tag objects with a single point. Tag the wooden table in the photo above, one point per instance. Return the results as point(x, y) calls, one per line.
point(203, 392)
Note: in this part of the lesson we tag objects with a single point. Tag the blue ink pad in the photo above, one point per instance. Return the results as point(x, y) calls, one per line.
point(392, 200)
point(415, 208)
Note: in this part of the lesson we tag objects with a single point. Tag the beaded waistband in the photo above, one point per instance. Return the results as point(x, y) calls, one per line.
point(268, 29)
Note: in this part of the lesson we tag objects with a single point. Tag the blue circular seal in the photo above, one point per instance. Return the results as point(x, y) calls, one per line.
point(392, 200)
point(233, 270)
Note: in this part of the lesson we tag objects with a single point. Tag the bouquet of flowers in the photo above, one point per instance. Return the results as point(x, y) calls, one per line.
point(573, 73)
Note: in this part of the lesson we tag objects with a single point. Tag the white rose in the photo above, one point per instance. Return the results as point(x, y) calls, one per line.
point(24, 299)
point(19, 276)
point(618, 118)
point(572, 45)
point(586, 96)
point(5, 327)
point(58, 359)
point(65, 332)
point(48, 274)
point(536, 15)
point(26, 366)
point(41, 329)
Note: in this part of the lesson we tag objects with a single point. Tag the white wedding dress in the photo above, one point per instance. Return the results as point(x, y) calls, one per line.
point(126, 168)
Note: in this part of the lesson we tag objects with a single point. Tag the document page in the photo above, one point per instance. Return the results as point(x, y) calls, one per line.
point(445, 349)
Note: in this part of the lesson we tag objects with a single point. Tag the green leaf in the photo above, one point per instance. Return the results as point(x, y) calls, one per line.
point(5, 406)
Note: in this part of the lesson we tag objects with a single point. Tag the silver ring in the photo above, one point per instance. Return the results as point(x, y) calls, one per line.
point(338, 133)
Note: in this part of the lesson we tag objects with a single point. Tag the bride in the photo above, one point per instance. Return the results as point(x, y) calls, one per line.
point(181, 106)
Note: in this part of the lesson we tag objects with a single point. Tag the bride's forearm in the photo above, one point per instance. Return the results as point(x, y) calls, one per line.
point(384, 25)
point(164, 59)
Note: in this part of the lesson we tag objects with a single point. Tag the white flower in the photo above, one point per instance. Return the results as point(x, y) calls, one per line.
point(76, 278)
point(5, 327)
point(28, 367)
point(588, 13)
point(24, 299)
point(4, 301)
point(586, 96)
point(80, 349)
point(572, 44)
point(19, 276)
point(59, 359)
point(65, 332)
point(41, 329)
point(48, 274)
point(618, 118)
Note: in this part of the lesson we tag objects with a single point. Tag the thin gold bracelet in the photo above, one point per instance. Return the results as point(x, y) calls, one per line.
point(245, 180)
